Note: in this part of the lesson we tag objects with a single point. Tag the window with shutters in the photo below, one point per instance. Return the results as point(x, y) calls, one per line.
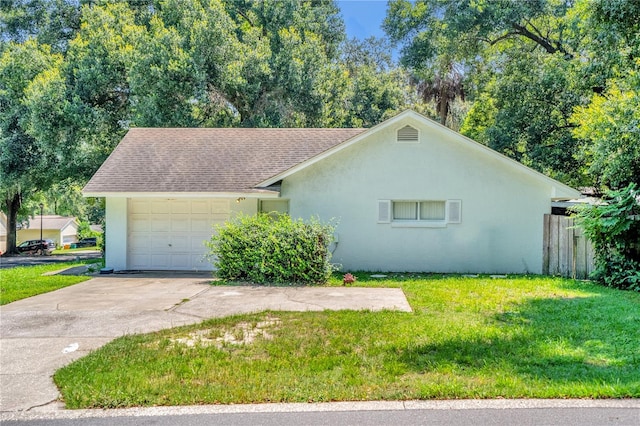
point(408, 134)
point(419, 210)
point(420, 213)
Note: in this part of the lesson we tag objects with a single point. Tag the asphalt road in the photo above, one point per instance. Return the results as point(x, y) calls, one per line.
point(471, 417)
point(13, 261)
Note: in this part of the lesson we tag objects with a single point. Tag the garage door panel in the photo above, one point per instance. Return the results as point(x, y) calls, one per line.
point(180, 207)
point(139, 206)
point(160, 261)
point(139, 243)
point(197, 245)
point(161, 207)
point(200, 207)
point(140, 223)
point(181, 261)
point(159, 242)
point(180, 223)
point(139, 261)
point(201, 226)
point(160, 224)
point(180, 243)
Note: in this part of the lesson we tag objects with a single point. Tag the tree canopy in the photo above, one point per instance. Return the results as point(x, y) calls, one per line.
point(75, 75)
point(552, 83)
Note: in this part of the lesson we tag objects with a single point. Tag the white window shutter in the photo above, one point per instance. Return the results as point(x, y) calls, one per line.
point(384, 211)
point(454, 211)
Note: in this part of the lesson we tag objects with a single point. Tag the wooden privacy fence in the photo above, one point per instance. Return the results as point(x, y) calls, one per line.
point(566, 251)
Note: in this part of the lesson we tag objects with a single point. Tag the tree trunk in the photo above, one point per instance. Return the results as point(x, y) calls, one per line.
point(443, 103)
point(13, 204)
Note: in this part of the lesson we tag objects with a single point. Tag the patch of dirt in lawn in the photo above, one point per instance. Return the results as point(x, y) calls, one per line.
point(243, 333)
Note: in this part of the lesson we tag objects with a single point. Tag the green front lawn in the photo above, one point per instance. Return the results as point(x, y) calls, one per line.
point(26, 281)
point(522, 337)
point(73, 250)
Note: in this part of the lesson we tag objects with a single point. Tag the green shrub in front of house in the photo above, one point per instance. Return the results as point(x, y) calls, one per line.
point(272, 248)
point(614, 230)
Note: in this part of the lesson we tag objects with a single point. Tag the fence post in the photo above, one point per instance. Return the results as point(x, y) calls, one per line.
point(545, 244)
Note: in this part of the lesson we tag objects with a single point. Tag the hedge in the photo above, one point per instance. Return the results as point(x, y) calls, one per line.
point(272, 248)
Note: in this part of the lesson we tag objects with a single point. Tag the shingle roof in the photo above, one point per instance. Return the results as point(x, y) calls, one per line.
point(50, 222)
point(208, 159)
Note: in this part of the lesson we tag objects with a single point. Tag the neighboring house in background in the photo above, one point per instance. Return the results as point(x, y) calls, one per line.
point(3, 232)
point(409, 195)
point(61, 229)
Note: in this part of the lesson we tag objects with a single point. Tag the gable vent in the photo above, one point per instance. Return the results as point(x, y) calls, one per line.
point(407, 134)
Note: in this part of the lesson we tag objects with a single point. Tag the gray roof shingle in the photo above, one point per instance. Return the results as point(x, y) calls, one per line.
point(50, 222)
point(208, 159)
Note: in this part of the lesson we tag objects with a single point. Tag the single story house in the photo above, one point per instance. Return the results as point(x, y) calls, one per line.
point(61, 229)
point(409, 195)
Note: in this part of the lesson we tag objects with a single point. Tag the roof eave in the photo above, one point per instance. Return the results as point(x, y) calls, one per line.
point(249, 193)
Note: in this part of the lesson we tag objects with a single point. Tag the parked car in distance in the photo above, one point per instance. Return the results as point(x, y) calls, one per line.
point(87, 242)
point(36, 247)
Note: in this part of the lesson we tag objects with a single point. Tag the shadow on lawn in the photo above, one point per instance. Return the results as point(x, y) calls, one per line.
point(592, 339)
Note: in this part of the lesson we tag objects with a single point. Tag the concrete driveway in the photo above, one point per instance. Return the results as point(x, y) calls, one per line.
point(43, 333)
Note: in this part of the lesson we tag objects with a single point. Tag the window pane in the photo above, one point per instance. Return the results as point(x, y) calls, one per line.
point(432, 210)
point(280, 206)
point(405, 210)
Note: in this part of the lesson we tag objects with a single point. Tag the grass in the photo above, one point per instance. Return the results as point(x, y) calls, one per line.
point(521, 337)
point(26, 281)
point(70, 250)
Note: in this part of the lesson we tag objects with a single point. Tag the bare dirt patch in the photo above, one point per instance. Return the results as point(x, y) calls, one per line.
point(243, 333)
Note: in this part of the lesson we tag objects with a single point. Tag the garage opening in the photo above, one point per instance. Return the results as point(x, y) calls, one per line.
point(169, 234)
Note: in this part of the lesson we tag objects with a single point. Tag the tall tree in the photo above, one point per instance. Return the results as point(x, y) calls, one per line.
point(608, 126)
point(77, 74)
point(519, 65)
point(363, 87)
point(26, 163)
point(294, 40)
point(442, 38)
point(52, 22)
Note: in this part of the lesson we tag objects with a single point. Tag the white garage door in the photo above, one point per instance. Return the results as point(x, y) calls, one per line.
point(170, 234)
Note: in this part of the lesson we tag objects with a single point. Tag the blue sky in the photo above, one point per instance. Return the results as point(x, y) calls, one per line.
point(363, 18)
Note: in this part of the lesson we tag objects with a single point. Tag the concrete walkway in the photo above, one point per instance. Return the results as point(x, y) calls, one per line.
point(43, 333)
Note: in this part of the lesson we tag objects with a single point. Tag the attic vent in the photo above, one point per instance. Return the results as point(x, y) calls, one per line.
point(407, 134)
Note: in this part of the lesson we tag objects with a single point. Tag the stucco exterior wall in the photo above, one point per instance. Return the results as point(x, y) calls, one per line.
point(34, 234)
point(69, 234)
point(502, 207)
point(248, 206)
point(116, 233)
